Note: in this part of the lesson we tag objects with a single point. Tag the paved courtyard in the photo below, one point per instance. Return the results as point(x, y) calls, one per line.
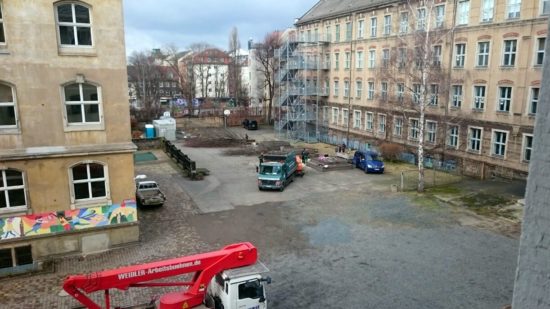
point(339, 239)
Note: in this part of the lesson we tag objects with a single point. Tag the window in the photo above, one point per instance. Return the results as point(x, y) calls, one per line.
point(89, 181)
point(463, 12)
point(436, 56)
point(431, 130)
point(541, 44)
point(336, 61)
point(434, 94)
point(479, 97)
point(356, 119)
point(74, 25)
point(474, 139)
point(460, 55)
point(381, 123)
point(359, 60)
point(504, 99)
point(8, 116)
point(251, 289)
point(82, 103)
point(499, 143)
point(404, 22)
point(397, 126)
point(372, 58)
point(418, 57)
point(337, 33)
point(334, 115)
point(327, 33)
point(358, 88)
point(2, 37)
point(345, 117)
point(348, 32)
point(309, 36)
point(13, 257)
point(413, 129)
point(533, 101)
point(326, 89)
point(402, 58)
point(416, 93)
point(373, 23)
point(421, 19)
point(370, 91)
point(347, 62)
point(384, 91)
point(457, 96)
point(439, 16)
point(509, 54)
point(368, 121)
point(387, 25)
point(527, 147)
point(452, 140)
point(346, 88)
point(360, 29)
point(544, 7)
point(12, 190)
point(400, 92)
point(512, 8)
point(385, 57)
point(327, 61)
point(483, 54)
point(487, 8)
point(325, 113)
point(336, 88)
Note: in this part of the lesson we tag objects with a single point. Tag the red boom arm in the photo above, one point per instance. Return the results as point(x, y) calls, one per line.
point(204, 266)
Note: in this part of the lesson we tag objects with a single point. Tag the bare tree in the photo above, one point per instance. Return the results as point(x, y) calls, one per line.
point(265, 56)
point(144, 71)
point(414, 65)
point(196, 73)
point(172, 58)
point(234, 80)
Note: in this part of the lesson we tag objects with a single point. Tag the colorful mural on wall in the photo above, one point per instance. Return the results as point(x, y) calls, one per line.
point(67, 220)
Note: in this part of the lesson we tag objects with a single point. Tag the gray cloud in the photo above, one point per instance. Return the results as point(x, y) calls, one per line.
point(156, 23)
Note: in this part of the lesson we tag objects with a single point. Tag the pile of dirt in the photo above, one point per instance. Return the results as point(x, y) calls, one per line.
point(213, 142)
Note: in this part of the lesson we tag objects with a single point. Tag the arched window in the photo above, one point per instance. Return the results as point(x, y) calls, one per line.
point(74, 24)
point(89, 181)
point(8, 117)
point(12, 189)
point(82, 103)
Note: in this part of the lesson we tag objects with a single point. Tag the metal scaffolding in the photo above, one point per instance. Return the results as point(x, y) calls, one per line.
point(302, 90)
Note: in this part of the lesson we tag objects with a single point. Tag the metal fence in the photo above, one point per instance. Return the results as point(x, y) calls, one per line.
point(436, 173)
point(181, 159)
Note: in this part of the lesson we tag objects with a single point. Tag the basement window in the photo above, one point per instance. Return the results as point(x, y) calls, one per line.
point(17, 256)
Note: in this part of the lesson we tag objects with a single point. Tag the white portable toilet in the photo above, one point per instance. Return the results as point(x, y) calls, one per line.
point(165, 127)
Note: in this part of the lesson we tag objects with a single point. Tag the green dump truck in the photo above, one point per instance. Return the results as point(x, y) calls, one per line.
point(277, 169)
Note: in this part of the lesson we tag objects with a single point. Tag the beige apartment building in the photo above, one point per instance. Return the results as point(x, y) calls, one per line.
point(489, 56)
point(66, 156)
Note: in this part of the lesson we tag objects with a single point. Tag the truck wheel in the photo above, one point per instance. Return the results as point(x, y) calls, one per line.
point(218, 303)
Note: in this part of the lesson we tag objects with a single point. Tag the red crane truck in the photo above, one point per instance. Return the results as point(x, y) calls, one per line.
point(228, 278)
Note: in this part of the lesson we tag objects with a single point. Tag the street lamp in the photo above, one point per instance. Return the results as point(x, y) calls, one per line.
point(225, 115)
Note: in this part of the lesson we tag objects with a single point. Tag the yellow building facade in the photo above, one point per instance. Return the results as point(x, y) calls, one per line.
point(66, 156)
point(490, 55)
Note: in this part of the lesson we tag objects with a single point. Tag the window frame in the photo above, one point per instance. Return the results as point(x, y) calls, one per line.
point(337, 33)
point(453, 136)
point(346, 88)
point(372, 59)
point(370, 90)
point(397, 126)
point(403, 22)
point(369, 121)
point(483, 54)
point(358, 88)
point(533, 99)
point(76, 203)
point(478, 140)
point(502, 144)
point(400, 92)
point(439, 20)
point(487, 11)
point(463, 17)
point(349, 30)
point(384, 90)
point(347, 60)
point(513, 4)
point(507, 105)
point(510, 54)
point(387, 25)
point(525, 148)
point(479, 100)
point(83, 126)
point(6, 188)
point(337, 61)
point(539, 51)
point(414, 131)
point(11, 129)
point(457, 96)
point(74, 25)
point(359, 59)
point(460, 58)
point(386, 57)
point(2, 27)
point(382, 123)
point(360, 29)
point(336, 88)
point(373, 26)
point(345, 117)
point(357, 119)
point(431, 133)
point(335, 115)
point(421, 19)
point(542, 5)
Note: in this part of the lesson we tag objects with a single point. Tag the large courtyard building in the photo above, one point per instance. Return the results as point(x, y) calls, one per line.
point(350, 70)
point(66, 156)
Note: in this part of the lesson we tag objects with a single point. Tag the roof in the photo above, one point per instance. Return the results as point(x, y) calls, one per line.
point(333, 8)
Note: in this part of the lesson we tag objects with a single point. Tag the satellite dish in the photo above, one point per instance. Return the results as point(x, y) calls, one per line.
point(226, 112)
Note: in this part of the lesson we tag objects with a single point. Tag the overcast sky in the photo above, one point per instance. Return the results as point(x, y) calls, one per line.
point(156, 23)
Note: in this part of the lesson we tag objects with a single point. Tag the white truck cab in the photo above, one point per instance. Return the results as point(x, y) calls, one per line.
point(239, 288)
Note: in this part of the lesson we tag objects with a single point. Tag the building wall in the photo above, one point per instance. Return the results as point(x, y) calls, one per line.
point(44, 145)
point(522, 77)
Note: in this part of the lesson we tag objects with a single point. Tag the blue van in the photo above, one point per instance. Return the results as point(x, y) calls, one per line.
point(369, 161)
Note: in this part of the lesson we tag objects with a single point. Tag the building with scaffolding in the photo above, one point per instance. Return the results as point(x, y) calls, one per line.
point(300, 94)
